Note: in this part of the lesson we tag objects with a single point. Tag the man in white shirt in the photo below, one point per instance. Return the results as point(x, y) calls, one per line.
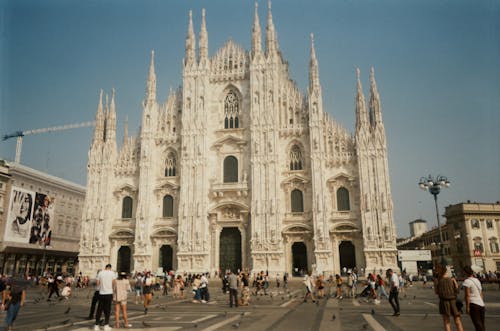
point(105, 280)
point(394, 288)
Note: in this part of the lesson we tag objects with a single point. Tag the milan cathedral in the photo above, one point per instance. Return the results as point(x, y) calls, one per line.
point(239, 169)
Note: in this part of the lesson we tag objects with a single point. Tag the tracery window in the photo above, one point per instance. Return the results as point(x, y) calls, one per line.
point(230, 169)
point(127, 207)
point(343, 199)
point(168, 206)
point(297, 201)
point(489, 224)
point(231, 111)
point(295, 158)
point(170, 163)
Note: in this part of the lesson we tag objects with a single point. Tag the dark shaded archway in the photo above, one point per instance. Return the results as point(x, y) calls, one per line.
point(124, 259)
point(230, 249)
point(166, 258)
point(347, 253)
point(299, 256)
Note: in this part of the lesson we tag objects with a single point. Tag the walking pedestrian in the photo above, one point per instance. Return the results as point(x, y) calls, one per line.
point(138, 288)
point(381, 287)
point(447, 290)
point(309, 284)
point(105, 282)
point(338, 282)
point(53, 284)
point(393, 291)
point(121, 287)
point(95, 299)
point(233, 289)
point(147, 290)
point(196, 289)
point(204, 295)
point(474, 300)
point(12, 300)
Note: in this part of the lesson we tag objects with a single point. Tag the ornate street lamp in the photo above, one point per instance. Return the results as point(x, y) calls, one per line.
point(434, 185)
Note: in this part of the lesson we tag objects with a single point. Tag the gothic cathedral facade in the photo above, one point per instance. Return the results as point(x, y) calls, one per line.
point(238, 169)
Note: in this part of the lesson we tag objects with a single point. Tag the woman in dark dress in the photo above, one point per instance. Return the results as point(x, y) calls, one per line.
point(447, 289)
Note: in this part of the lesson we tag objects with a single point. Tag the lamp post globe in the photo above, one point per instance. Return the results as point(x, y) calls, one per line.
point(434, 186)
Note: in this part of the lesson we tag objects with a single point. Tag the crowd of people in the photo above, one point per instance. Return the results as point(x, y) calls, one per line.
point(112, 288)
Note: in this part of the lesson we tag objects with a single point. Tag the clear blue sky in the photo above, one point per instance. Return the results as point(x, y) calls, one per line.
point(437, 65)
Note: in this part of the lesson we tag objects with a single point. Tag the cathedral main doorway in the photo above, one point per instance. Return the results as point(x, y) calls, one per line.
point(347, 254)
point(299, 256)
point(123, 263)
point(230, 249)
point(166, 258)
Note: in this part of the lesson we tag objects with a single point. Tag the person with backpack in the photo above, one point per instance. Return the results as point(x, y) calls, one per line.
point(12, 300)
point(138, 288)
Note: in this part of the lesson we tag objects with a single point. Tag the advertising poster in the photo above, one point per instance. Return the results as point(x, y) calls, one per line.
point(43, 215)
point(19, 215)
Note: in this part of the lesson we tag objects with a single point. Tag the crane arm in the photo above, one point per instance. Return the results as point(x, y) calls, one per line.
point(21, 134)
point(59, 128)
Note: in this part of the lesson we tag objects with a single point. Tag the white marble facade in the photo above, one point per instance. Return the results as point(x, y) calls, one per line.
point(239, 147)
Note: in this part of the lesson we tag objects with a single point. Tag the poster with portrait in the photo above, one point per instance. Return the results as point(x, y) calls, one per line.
point(19, 215)
point(43, 216)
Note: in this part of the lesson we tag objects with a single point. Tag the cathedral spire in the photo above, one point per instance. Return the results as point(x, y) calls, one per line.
point(271, 42)
point(313, 68)
point(203, 39)
point(151, 83)
point(111, 119)
point(256, 33)
point(190, 42)
point(125, 131)
point(99, 122)
point(375, 111)
point(361, 115)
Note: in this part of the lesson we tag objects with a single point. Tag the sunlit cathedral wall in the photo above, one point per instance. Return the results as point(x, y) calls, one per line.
point(239, 170)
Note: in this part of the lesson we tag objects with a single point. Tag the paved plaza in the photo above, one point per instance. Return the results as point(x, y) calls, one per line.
point(280, 310)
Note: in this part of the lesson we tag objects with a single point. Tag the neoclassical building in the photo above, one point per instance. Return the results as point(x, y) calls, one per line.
point(239, 169)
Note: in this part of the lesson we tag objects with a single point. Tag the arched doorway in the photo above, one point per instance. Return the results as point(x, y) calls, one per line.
point(230, 249)
point(347, 254)
point(166, 258)
point(299, 256)
point(123, 261)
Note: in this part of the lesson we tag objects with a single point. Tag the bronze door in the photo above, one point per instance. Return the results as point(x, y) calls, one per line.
point(230, 250)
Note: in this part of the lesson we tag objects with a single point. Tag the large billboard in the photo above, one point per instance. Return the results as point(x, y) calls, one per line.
point(30, 217)
point(414, 255)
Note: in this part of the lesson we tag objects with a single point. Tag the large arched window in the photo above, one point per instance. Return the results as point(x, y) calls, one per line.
point(295, 158)
point(343, 199)
point(127, 207)
point(170, 163)
point(231, 111)
point(168, 206)
point(297, 201)
point(230, 169)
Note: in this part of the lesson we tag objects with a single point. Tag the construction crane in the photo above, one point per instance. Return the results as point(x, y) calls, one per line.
point(20, 134)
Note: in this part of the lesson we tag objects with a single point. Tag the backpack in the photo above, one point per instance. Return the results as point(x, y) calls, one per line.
point(138, 283)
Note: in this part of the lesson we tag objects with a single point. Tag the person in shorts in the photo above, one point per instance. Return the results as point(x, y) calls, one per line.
point(121, 287)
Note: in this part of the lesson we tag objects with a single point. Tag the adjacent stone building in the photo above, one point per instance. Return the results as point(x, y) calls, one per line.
point(474, 232)
point(40, 217)
point(470, 237)
point(238, 169)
